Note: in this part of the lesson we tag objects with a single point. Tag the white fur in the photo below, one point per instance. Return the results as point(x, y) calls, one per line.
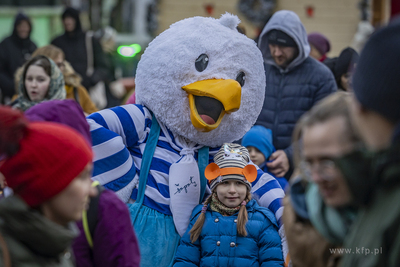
point(229, 20)
point(169, 63)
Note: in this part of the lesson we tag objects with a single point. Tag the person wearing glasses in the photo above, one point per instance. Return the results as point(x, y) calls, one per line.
point(317, 213)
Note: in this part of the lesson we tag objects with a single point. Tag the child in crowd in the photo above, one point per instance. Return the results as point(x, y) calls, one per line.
point(41, 80)
point(230, 229)
point(258, 140)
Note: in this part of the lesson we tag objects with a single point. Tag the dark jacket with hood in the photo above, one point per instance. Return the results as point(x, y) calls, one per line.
point(31, 239)
point(292, 91)
point(14, 51)
point(73, 44)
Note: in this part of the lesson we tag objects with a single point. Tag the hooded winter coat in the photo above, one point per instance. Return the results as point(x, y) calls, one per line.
point(292, 91)
point(14, 51)
point(31, 239)
point(73, 44)
point(220, 245)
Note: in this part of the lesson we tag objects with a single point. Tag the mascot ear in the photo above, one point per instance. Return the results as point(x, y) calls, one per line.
point(250, 172)
point(229, 20)
point(212, 171)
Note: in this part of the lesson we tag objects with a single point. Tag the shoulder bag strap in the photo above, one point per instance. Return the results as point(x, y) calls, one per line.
point(148, 153)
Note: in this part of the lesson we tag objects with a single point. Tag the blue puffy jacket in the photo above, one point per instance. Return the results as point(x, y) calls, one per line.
point(220, 245)
point(292, 91)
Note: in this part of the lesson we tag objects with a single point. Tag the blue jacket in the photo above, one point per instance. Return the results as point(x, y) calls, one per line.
point(290, 92)
point(220, 245)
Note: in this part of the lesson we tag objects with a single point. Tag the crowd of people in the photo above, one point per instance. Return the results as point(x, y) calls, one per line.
point(315, 181)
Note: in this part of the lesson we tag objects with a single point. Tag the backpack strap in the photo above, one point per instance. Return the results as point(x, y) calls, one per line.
point(90, 216)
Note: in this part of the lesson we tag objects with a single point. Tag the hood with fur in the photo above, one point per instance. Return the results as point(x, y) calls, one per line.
point(168, 64)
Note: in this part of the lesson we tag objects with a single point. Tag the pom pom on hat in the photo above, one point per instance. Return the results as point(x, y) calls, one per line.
point(48, 158)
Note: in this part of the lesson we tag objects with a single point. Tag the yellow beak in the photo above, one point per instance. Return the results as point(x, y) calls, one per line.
point(228, 92)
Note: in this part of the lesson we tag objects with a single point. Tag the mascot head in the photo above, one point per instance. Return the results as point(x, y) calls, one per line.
point(203, 79)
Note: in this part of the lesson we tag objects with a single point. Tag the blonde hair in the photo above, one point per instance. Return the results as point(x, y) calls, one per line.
point(49, 51)
point(241, 220)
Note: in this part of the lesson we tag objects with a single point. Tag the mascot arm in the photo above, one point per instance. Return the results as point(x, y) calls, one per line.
point(270, 194)
point(115, 132)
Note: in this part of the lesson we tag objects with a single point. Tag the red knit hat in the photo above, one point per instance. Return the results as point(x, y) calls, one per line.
point(48, 156)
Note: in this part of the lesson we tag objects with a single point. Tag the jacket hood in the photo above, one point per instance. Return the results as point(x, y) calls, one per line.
point(67, 112)
point(29, 227)
point(298, 197)
point(18, 19)
point(288, 22)
point(73, 13)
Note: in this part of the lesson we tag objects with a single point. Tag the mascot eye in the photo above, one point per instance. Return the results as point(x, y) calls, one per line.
point(241, 78)
point(201, 62)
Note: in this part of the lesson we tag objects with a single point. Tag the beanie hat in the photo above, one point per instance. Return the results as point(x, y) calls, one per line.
point(261, 138)
point(48, 158)
point(231, 162)
point(345, 62)
point(376, 81)
point(320, 42)
point(280, 38)
point(67, 112)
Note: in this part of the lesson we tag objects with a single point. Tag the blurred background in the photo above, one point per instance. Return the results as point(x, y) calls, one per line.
point(137, 22)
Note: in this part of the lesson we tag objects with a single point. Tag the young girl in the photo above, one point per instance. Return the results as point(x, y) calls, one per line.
point(41, 80)
point(230, 229)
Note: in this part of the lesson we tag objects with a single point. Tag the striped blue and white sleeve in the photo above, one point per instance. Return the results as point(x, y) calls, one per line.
point(269, 193)
point(113, 132)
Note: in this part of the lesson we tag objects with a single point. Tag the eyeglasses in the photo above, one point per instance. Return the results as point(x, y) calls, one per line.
point(325, 168)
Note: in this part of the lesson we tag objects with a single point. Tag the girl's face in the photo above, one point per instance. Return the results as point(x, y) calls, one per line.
point(231, 193)
point(68, 205)
point(36, 83)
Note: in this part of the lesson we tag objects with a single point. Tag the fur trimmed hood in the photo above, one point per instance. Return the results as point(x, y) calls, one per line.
point(168, 64)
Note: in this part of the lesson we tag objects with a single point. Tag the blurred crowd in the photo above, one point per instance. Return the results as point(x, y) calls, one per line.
point(328, 135)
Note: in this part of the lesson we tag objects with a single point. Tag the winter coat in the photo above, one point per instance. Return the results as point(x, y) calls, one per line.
point(14, 51)
point(74, 47)
point(220, 245)
point(290, 92)
point(307, 247)
point(375, 184)
point(32, 239)
point(114, 242)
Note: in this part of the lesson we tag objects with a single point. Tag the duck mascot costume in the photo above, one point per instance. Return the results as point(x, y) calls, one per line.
point(199, 84)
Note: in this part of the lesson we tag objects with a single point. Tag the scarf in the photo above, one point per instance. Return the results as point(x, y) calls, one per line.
point(56, 89)
point(218, 206)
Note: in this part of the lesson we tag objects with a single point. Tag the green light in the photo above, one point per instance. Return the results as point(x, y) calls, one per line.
point(129, 50)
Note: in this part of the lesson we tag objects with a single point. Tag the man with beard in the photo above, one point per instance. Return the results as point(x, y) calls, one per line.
point(294, 83)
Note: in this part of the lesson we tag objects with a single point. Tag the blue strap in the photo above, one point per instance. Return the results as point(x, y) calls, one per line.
point(202, 162)
point(148, 153)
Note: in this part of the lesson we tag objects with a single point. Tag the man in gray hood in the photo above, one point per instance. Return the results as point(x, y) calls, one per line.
point(294, 83)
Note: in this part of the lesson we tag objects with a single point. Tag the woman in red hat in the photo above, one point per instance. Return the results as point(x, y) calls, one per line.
point(49, 168)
